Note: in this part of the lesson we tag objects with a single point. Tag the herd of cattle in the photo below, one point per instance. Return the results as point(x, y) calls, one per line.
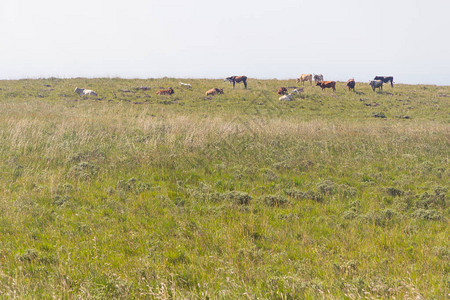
point(376, 83)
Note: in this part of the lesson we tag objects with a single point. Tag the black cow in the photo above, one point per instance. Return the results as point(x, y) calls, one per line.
point(385, 79)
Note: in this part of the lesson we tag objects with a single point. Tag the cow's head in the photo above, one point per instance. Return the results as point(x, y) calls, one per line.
point(229, 79)
point(319, 83)
point(219, 91)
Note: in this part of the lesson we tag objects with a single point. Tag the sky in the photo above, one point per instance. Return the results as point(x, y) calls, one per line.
point(282, 39)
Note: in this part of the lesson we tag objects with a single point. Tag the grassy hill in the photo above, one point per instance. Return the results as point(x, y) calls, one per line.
point(134, 195)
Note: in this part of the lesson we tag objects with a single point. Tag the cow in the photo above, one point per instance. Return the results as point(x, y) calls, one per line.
point(318, 78)
point(351, 84)
point(297, 91)
point(376, 84)
point(327, 84)
point(282, 91)
point(84, 92)
point(305, 77)
point(385, 79)
point(238, 79)
point(169, 91)
point(214, 91)
point(286, 98)
point(186, 85)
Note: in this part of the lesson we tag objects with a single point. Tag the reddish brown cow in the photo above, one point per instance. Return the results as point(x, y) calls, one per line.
point(351, 84)
point(169, 91)
point(214, 91)
point(238, 79)
point(282, 91)
point(327, 84)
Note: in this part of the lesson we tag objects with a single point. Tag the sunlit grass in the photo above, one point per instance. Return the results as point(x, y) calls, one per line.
point(134, 195)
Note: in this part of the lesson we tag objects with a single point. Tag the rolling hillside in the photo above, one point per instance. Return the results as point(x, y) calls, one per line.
point(135, 195)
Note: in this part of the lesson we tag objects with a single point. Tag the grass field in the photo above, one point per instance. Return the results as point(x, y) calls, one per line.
point(133, 195)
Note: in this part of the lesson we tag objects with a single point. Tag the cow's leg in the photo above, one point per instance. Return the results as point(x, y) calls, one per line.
point(245, 83)
point(234, 83)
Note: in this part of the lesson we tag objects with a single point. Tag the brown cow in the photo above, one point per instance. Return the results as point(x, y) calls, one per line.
point(214, 91)
point(234, 79)
point(169, 91)
point(351, 84)
point(327, 84)
point(282, 91)
point(305, 77)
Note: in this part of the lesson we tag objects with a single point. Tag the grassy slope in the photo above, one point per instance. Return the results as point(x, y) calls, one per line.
point(130, 195)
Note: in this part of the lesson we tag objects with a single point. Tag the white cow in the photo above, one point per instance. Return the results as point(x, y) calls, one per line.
point(297, 91)
point(305, 77)
point(286, 98)
point(84, 92)
point(318, 78)
point(186, 85)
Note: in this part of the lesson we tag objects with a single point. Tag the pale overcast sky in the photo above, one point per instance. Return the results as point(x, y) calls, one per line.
point(408, 39)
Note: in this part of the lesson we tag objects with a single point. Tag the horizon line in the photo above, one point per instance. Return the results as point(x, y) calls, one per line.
point(193, 78)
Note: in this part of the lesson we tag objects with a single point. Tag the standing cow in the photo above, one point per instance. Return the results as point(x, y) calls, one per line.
point(318, 78)
point(327, 84)
point(238, 79)
point(376, 84)
point(385, 79)
point(351, 84)
point(305, 77)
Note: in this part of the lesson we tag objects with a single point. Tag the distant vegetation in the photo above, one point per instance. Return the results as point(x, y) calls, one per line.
point(135, 195)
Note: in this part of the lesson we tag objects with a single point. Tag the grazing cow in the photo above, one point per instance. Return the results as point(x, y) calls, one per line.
point(214, 91)
point(282, 91)
point(305, 77)
point(351, 84)
point(385, 79)
point(376, 84)
point(186, 85)
point(327, 84)
point(238, 79)
point(169, 91)
point(84, 92)
point(318, 78)
point(286, 98)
